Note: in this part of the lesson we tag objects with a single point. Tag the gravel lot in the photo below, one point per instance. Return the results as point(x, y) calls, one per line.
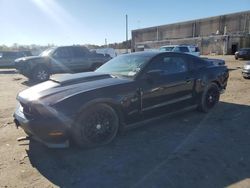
point(190, 149)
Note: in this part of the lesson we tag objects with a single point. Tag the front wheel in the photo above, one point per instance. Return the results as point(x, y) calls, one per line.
point(95, 126)
point(210, 97)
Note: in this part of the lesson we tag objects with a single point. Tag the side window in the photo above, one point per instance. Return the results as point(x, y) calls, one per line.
point(63, 53)
point(79, 52)
point(176, 49)
point(19, 54)
point(196, 63)
point(9, 55)
point(169, 64)
point(183, 49)
point(175, 65)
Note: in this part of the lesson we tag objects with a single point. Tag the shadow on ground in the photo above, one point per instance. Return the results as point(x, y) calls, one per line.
point(186, 150)
point(233, 69)
point(29, 83)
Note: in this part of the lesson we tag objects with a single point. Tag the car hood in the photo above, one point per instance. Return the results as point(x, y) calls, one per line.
point(61, 87)
point(215, 61)
point(29, 58)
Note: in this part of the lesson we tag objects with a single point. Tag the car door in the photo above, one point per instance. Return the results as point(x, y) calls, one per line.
point(62, 60)
point(81, 59)
point(172, 87)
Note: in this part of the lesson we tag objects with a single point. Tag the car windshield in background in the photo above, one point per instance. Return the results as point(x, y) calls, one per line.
point(125, 65)
point(166, 49)
point(47, 52)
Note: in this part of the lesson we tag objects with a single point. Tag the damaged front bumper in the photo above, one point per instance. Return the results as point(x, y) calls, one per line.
point(49, 131)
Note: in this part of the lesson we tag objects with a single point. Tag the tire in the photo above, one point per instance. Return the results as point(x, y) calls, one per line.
point(210, 97)
point(40, 74)
point(246, 77)
point(96, 126)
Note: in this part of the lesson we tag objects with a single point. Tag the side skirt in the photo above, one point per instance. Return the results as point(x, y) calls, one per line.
point(143, 122)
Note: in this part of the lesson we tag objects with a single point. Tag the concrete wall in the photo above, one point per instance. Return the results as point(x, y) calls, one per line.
point(208, 32)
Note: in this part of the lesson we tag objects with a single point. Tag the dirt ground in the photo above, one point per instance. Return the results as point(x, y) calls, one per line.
point(190, 149)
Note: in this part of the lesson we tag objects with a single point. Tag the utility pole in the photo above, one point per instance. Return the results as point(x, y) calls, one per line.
point(126, 33)
point(106, 43)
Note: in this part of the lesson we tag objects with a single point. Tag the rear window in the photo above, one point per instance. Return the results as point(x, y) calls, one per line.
point(181, 49)
point(184, 49)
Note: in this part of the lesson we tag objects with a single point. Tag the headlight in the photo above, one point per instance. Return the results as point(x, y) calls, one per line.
point(19, 106)
point(45, 110)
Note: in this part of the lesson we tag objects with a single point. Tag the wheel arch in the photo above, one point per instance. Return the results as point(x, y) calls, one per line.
point(111, 102)
point(217, 83)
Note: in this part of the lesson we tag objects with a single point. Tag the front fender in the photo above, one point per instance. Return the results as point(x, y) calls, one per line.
point(116, 105)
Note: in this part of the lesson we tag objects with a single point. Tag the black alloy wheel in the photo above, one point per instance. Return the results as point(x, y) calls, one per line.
point(210, 97)
point(96, 126)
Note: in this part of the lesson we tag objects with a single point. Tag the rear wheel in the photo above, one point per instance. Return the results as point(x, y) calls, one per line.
point(98, 125)
point(210, 98)
point(40, 74)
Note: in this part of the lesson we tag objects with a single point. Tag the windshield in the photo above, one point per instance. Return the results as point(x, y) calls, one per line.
point(125, 65)
point(166, 49)
point(47, 52)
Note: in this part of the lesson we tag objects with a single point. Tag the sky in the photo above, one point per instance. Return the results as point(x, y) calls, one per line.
point(67, 22)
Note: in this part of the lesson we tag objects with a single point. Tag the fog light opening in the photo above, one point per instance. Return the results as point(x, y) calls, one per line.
point(56, 133)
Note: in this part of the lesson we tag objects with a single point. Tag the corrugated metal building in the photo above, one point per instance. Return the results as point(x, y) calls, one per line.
point(220, 34)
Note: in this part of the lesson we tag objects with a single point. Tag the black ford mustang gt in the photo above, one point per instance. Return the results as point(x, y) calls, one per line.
point(91, 107)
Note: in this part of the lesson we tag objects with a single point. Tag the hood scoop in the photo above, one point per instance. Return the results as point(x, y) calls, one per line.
point(67, 79)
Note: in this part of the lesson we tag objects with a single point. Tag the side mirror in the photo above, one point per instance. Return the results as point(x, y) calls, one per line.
point(154, 74)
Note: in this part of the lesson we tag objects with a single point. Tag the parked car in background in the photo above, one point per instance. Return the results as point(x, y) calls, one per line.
point(246, 70)
point(106, 51)
point(7, 58)
point(59, 59)
point(189, 49)
point(168, 48)
point(91, 107)
point(243, 53)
